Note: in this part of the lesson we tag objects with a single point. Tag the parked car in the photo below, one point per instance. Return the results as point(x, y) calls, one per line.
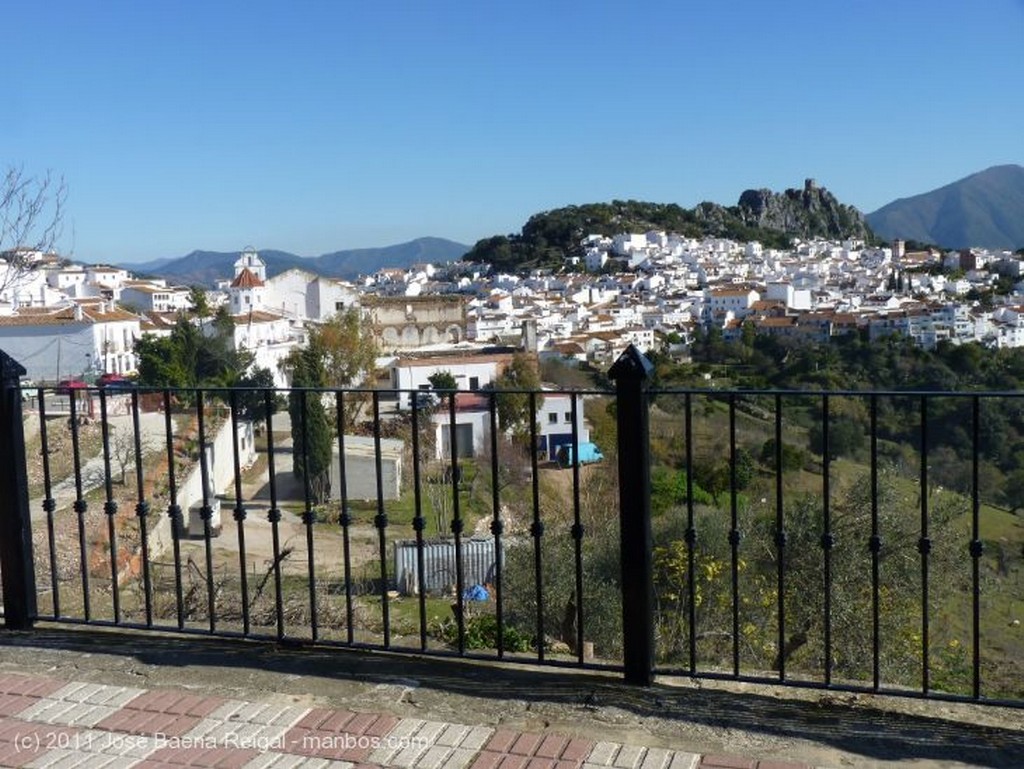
point(67, 386)
point(114, 381)
point(589, 453)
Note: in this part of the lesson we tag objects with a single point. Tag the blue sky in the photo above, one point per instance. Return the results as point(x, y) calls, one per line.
point(316, 126)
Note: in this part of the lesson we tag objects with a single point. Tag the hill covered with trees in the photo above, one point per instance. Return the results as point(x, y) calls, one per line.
point(773, 218)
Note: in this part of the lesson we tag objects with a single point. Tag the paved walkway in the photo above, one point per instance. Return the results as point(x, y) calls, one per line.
point(94, 698)
point(46, 722)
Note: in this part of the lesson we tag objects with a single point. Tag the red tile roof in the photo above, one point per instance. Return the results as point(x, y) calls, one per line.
point(246, 279)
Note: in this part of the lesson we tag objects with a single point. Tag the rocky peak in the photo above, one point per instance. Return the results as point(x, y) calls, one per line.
point(810, 212)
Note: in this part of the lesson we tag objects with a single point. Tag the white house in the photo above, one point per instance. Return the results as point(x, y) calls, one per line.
point(148, 296)
point(270, 337)
point(738, 301)
point(306, 296)
point(71, 341)
point(554, 423)
point(472, 426)
point(471, 372)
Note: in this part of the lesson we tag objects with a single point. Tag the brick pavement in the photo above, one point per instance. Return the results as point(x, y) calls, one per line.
point(49, 723)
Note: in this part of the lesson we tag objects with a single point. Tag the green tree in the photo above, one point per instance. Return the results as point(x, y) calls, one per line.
point(443, 380)
point(793, 458)
point(200, 305)
point(157, 362)
point(311, 428)
point(845, 438)
point(349, 351)
point(1013, 494)
point(191, 357)
point(251, 401)
point(514, 387)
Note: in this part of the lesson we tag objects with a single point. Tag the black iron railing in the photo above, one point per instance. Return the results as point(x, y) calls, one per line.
point(848, 540)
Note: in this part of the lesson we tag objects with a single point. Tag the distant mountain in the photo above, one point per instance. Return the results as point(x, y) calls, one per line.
point(206, 267)
point(985, 209)
point(773, 218)
point(362, 261)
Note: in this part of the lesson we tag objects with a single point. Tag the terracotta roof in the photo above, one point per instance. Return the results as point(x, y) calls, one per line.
point(256, 316)
point(43, 316)
point(731, 291)
point(776, 322)
point(246, 279)
point(452, 360)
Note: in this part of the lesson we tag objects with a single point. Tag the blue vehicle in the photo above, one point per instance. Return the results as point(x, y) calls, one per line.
point(589, 453)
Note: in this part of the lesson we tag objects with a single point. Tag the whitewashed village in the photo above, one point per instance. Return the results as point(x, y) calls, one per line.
point(653, 290)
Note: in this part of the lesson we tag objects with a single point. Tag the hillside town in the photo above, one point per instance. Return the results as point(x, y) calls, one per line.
point(655, 290)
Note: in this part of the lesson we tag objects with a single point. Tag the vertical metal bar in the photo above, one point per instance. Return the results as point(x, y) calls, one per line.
point(875, 547)
point(418, 523)
point(142, 510)
point(174, 510)
point(537, 527)
point(110, 508)
point(691, 541)
point(206, 511)
point(380, 522)
point(631, 372)
point(577, 528)
point(924, 546)
point(80, 506)
point(239, 513)
point(307, 510)
point(274, 516)
point(976, 549)
point(497, 525)
point(17, 563)
point(344, 518)
point(734, 537)
point(780, 540)
point(49, 503)
point(827, 540)
point(460, 601)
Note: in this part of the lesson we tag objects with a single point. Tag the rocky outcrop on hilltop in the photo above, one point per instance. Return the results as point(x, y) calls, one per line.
point(810, 212)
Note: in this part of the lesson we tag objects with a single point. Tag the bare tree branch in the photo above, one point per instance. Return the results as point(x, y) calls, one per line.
point(31, 216)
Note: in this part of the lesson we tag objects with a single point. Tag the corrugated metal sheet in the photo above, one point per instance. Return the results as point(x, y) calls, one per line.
point(478, 564)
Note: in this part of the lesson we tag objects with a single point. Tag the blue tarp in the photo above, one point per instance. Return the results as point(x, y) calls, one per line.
point(475, 593)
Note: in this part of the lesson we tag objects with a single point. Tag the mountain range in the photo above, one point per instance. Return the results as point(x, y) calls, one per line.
point(207, 267)
point(985, 209)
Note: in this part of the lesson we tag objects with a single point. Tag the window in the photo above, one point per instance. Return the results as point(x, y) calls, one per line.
point(339, 306)
point(568, 416)
point(552, 419)
point(474, 383)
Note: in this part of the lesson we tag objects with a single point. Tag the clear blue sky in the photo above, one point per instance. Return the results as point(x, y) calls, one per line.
point(316, 126)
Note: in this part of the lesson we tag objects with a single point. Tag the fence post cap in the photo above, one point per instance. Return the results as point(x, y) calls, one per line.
point(632, 364)
point(10, 369)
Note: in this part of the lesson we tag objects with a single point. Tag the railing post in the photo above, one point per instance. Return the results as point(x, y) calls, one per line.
point(630, 374)
point(15, 522)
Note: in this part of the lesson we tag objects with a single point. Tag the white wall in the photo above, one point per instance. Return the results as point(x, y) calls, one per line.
point(415, 377)
point(50, 353)
point(221, 467)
